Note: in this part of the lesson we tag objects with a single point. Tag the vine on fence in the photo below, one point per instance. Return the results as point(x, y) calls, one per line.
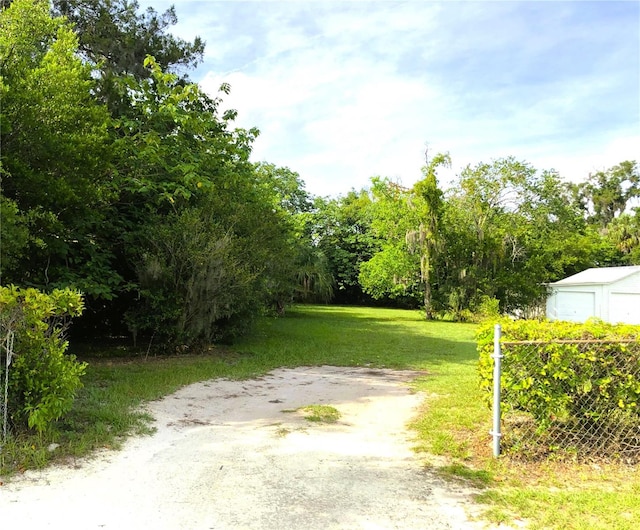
point(568, 385)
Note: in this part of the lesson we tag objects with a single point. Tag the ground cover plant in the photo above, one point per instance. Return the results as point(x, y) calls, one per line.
point(451, 429)
point(320, 413)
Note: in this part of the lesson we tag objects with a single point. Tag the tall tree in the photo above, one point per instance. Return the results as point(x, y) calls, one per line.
point(409, 223)
point(204, 234)
point(299, 272)
point(287, 185)
point(115, 38)
point(606, 194)
point(55, 153)
point(393, 271)
point(154, 212)
point(426, 237)
point(345, 235)
point(509, 229)
point(624, 233)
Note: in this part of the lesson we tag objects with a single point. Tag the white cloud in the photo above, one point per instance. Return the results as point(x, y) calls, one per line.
point(591, 158)
point(343, 91)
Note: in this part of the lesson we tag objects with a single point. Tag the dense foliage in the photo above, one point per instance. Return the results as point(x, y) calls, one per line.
point(501, 232)
point(567, 375)
point(123, 180)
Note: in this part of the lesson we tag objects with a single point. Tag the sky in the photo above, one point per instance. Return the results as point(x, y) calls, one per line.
point(346, 90)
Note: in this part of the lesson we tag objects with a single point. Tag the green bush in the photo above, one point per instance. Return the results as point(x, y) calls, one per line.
point(566, 382)
point(197, 281)
point(486, 308)
point(43, 380)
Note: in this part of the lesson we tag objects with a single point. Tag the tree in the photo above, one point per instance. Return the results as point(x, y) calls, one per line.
point(301, 271)
point(624, 233)
point(345, 236)
point(54, 153)
point(606, 194)
point(115, 38)
point(14, 238)
point(409, 223)
point(510, 229)
point(426, 237)
point(392, 272)
point(153, 211)
point(193, 281)
point(207, 237)
point(287, 185)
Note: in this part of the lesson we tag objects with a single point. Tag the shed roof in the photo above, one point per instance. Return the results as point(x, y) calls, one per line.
point(602, 275)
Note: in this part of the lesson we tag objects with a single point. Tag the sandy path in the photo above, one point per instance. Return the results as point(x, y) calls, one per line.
point(226, 456)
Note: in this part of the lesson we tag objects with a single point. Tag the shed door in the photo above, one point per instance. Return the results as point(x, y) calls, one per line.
point(624, 307)
point(576, 306)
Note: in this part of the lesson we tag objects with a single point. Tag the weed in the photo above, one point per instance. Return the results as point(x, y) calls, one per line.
point(321, 413)
point(281, 432)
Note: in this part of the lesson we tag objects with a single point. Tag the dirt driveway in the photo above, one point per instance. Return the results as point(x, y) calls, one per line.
point(232, 455)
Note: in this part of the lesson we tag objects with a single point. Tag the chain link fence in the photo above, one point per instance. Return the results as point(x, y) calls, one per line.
point(567, 399)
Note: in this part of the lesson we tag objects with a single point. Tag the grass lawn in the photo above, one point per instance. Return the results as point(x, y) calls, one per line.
point(451, 429)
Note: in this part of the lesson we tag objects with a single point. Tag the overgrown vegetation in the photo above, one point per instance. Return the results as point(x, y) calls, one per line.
point(574, 381)
point(124, 181)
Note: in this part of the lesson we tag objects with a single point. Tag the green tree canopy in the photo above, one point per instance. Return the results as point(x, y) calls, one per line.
point(345, 236)
point(409, 225)
point(623, 232)
point(54, 149)
point(510, 228)
point(115, 38)
point(606, 194)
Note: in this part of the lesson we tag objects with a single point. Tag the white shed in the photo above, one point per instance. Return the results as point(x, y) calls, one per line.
point(610, 293)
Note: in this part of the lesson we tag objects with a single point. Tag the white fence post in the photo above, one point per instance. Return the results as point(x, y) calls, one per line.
point(497, 371)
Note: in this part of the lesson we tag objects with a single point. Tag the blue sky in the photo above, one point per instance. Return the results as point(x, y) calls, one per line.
point(343, 91)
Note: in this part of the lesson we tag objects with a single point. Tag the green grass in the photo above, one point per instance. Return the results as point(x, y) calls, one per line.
point(342, 336)
point(321, 413)
point(451, 430)
point(572, 507)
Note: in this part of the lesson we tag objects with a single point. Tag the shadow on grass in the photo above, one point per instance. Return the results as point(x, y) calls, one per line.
point(345, 336)
point(479, 478)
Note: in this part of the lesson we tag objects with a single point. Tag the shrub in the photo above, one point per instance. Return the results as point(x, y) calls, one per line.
point(43, 380)
point(197, 283)
point(486, 308)
point(570, 377)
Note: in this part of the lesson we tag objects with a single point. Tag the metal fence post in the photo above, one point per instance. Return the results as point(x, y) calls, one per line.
point(8, 347)
point(497, 371)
